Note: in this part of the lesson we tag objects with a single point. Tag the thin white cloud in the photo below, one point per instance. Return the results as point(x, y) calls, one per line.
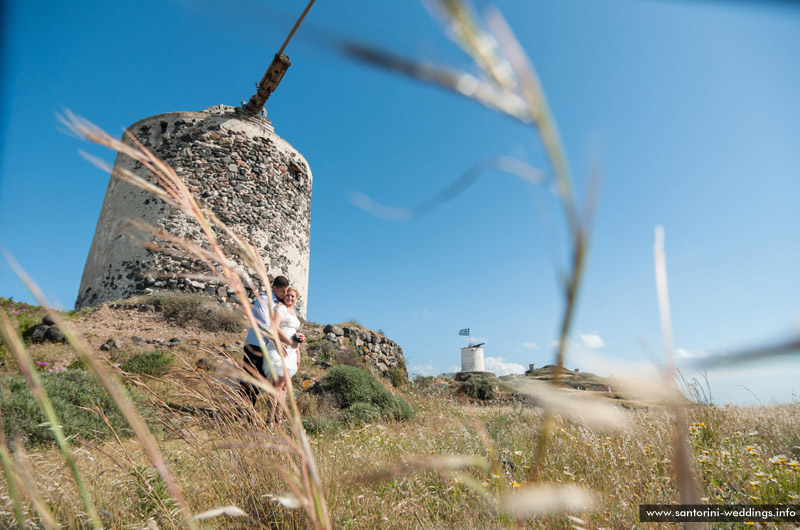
point(531, 346)
point(427, 314)
point(473, 340)
point(592, 340)
point(499, 366)
point(683, 353)
point(428, 368)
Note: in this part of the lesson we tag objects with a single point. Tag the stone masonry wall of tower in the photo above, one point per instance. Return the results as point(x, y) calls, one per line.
point(236, 165)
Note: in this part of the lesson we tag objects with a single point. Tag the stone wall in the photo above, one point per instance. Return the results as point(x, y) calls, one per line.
point(376, 350)
point(235, 165)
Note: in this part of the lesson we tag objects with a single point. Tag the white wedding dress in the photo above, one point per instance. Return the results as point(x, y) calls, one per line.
point(289, 325)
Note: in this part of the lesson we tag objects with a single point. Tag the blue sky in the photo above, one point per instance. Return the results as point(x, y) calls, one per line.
point(689, 109)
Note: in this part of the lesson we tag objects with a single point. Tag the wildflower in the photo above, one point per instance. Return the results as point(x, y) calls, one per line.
point(42, 363)
point(778, 459)
point(517, 453)
point(755, 482)
point(484, 484)
point(702, 459)
point(515, 484)
point(495, 476)
point(704, 500)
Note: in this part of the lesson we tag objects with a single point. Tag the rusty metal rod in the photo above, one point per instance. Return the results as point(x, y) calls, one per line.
point(277, 68)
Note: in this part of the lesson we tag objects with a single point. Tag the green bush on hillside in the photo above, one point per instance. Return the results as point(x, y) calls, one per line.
point(361, 397)
point(74, 394)
point(148, 363)
point(479, 388)
point(397, 377)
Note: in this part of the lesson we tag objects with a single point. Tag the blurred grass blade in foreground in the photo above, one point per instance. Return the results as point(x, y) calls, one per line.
point(546, 498)
point(688, 488)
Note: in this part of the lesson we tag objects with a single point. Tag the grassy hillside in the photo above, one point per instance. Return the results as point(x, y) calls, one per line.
point(375, 472)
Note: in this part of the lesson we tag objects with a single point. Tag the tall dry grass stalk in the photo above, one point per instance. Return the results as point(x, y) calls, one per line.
point(687, 481)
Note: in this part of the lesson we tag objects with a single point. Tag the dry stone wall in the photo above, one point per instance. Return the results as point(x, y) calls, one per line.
point(375, 349)
point(235, 165)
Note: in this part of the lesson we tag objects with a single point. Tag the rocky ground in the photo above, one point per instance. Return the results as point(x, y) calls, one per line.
point(118, 331)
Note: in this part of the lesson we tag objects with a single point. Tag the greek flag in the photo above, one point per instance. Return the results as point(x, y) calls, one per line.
point(464, 332)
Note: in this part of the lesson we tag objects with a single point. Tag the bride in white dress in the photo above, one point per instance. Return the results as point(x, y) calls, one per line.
point(284, 319)
point(285, 322)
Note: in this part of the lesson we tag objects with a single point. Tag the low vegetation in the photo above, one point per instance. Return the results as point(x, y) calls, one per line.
point(84, 408)
point(479, 387)
point(744, 455)
point(148, 363)
point(361, 397)
point(25, 317)
point(184, 309)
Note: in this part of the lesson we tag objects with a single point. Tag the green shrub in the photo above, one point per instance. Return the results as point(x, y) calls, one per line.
point(73, 393)
point(350, 387)
point(397, 377)
point(148, 363)
point(479, 388)
point(319, 423)
point(361, 413)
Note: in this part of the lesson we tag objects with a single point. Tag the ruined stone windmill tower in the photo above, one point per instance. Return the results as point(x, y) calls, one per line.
point(235, 164)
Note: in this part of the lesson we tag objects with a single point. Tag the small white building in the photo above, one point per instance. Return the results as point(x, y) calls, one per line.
point(472, 358)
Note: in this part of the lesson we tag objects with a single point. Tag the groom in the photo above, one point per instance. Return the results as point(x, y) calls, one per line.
point(253, 358)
